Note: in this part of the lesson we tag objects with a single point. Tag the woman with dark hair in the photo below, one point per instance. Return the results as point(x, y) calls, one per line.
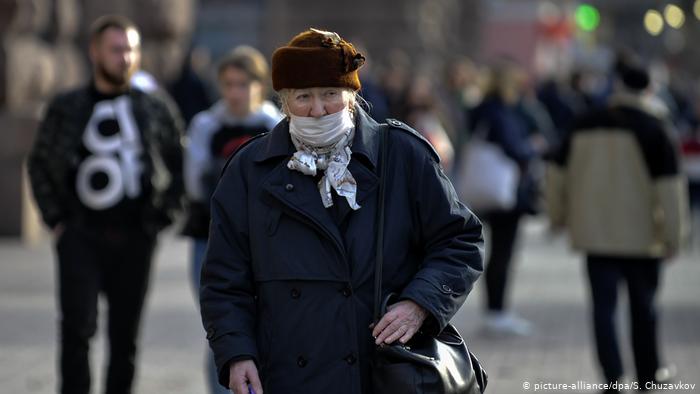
point(499, 121)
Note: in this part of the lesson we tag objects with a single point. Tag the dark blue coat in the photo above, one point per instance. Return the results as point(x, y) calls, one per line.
point(505, 127)
point(290, 285)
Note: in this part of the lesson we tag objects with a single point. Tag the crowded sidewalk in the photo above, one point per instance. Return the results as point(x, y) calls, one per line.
point(549, 290)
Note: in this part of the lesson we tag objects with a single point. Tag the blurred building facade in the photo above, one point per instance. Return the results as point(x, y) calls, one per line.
point(44, 51)
point(427, 29)
point(44, 46)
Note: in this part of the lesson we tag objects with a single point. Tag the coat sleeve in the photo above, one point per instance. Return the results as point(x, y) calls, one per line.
point(171, 151)
point(46, 192)
point(452, 245)
point(227, 294)
point(670, 188)
point(556, 184)
point(555, 194)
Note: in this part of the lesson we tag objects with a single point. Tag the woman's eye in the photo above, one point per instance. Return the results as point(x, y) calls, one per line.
point(302, 97)
point(331, 93)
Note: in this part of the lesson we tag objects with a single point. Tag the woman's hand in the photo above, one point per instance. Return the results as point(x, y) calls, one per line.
point(401, 321)
point(240, 374)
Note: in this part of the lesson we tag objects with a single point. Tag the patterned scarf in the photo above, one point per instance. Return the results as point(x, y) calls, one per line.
point(324, 145)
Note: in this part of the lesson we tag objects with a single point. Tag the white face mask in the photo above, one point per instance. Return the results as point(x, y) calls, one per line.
point(323, 131)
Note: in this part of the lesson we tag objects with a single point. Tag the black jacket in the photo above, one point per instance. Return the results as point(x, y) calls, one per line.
point(56, 152)
point(290, 285)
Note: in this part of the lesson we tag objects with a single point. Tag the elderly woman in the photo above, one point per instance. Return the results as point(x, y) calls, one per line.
point(287, 283)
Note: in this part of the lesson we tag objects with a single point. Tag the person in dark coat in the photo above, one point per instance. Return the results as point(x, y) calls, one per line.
point(106, 173)
point(498, 120)
point(288, 279)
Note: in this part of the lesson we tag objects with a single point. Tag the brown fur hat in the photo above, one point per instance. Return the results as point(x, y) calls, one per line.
point(316, 58)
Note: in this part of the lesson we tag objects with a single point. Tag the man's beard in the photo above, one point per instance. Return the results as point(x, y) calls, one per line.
point(118, 80)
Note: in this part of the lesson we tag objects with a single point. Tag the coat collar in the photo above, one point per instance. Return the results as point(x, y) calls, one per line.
point(299, 193)
point(365, 143)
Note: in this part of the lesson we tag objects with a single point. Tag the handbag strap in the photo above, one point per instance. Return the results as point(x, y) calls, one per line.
point(379, 222)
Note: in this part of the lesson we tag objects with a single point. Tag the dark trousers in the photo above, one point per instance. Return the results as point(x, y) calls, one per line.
point(504, 231)
point(642, 278)
point(117, 265)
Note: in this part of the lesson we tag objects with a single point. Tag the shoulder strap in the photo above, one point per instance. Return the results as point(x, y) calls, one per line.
point(398, 125)
point(379, 260)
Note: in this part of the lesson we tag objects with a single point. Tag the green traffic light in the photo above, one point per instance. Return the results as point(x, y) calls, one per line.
point(587, 17)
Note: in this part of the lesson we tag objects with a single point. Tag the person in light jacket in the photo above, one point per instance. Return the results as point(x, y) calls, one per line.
point(213, 136)
point(616, 186)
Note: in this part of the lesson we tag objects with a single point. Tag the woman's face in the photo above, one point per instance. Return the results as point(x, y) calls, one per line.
point(317, 102)
point(241, 93)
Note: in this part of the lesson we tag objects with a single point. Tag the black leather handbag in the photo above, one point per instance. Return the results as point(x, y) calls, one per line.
point(426, 364)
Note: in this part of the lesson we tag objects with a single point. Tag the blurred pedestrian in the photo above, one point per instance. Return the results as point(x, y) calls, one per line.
point(589, 88)
point(371, 90)
point(498, 120)
point(461, 93)
point(288, 279)
point(191, 90)
point(394, 81)
point(423, 114)
point(105, 170)
point(213, 136)
point(617, 188)
point(541, 129)
point(690, 159)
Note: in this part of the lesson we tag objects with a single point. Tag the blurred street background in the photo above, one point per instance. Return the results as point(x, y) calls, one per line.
point(550, 291)
point(427, 65)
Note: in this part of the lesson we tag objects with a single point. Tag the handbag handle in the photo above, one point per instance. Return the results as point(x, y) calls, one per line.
point(379, 223)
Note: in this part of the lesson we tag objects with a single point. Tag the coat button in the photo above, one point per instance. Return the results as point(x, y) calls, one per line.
point(295, 293)
point(350, 359)
point(289, 187)
point(347, 291)
point(446, 289)
point(301, 362)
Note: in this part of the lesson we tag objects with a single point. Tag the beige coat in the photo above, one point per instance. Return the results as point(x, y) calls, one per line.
point(616, 185)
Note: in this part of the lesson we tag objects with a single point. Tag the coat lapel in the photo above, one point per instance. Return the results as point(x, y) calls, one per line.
point(367, 182)
point(299, 194)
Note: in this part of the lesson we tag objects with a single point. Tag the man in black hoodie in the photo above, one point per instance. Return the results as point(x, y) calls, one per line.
point(106, 170)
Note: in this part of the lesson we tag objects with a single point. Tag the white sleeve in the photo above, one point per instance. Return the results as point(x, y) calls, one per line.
point(198, 155)
point(273, 114)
